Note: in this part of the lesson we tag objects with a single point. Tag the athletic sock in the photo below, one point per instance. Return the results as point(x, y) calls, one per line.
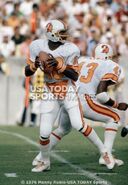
point(94, 138)
point(54, 139)
point(44, 148)
point(109, 135)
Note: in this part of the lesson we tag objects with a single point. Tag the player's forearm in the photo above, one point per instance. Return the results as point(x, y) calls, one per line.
point(105, 99)
point(71, 73)
point(28, 71)
point(102, 95)
point(120, 106)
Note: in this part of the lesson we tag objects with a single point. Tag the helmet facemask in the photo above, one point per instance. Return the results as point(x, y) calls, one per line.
point(62, 35)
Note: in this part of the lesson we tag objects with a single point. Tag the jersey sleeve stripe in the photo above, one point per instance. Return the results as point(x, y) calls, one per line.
point(110, 76)
point(29, 62)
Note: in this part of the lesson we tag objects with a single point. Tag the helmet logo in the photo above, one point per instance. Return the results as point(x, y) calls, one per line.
point(105, 49)
point(49, 27)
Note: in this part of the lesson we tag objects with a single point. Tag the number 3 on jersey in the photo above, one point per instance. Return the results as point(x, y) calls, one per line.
point(91, 68)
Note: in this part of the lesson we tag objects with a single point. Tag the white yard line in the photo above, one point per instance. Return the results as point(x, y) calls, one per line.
point(11, 175)
point(94, 173)
point(54, 151)
point(105, 173)
point(60, 159)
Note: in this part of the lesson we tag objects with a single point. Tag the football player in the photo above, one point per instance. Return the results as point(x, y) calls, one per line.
point(96, 75)
point(59, 74)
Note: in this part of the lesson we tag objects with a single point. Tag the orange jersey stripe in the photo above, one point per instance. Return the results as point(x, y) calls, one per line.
point(110, 76)
point(29, 62)
point(102, 110)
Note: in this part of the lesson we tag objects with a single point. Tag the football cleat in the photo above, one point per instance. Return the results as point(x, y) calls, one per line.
point(36, 160)
point(41, 167)
point(124, 131)
point(118, 162)
point(109, 160)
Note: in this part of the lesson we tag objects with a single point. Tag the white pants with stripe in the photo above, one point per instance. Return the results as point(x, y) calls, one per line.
point(92, 110)
point(50, 109)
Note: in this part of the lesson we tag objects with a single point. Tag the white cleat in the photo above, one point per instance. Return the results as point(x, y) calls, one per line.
point(35, 162)
point(41, 167)
point(109, 161)
point(118, 162)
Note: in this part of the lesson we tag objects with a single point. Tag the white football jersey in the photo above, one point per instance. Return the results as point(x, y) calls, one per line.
point(68, 51)
point(93, 71)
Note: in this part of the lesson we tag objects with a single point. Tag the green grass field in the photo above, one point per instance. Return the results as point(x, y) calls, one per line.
point(78, 165)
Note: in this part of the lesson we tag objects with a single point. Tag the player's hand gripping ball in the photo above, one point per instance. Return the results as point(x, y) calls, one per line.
point(47, 62)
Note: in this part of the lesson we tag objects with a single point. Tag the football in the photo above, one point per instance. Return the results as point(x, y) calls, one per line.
point(45, 59)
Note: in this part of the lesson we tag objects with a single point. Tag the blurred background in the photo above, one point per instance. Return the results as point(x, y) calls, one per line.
point(21, 21)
